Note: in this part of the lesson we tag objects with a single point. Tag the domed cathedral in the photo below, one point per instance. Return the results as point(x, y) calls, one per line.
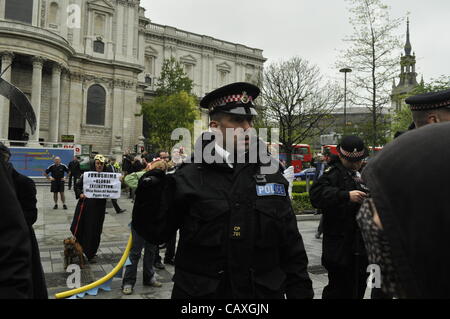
point(87, 65)
point(408, 75)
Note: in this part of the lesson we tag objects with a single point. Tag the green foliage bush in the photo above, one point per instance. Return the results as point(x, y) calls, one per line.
point(299, 187)
point(301, 202)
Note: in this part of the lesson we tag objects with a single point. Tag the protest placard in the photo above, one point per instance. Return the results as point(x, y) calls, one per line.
point(101, 185)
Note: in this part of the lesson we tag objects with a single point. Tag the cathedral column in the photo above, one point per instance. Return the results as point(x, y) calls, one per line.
point(36, 93)
point(7, 58)
point(64, 103)
point(55, 101)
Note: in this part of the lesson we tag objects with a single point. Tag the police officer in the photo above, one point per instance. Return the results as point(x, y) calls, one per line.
point(57, 170)
point(26, 195)
point(339, 192)
point(430, 107)
point(15, 242)
point(238, 233)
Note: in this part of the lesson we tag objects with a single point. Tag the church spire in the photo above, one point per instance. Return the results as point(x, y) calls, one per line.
point(408, 47)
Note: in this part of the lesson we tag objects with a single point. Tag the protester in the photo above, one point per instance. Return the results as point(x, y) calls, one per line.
point(169, 256)
point(405, 222)
point(320, 165)
point(129, 279)
point(339, 192)
point(236, 240)
point(57, 171)
point(126, 164)
point(87, 223)
point(74, 171)
point(114, 167)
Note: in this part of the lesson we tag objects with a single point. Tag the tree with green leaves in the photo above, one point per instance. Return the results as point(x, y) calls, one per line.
point(173, 79)
point(166, 113)
point(173, 107)
point(372, 57)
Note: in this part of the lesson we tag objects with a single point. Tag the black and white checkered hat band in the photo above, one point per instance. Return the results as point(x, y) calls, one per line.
point(421, 107)
point(352, 154)
point(229, 99)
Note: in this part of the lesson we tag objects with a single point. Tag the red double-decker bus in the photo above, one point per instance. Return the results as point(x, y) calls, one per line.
point(300, 158)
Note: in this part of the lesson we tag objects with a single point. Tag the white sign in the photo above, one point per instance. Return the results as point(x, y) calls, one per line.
point(77, 149)
point(101, 185)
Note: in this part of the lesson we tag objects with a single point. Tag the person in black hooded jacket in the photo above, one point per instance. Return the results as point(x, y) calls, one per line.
point(339, 192)
point(406, 220)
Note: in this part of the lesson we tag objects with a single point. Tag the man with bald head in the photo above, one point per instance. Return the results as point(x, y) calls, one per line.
point(57, 170)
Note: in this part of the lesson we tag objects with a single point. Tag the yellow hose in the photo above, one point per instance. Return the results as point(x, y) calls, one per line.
point(101, 281)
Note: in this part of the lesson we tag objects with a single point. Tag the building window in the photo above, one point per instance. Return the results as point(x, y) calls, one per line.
point(96, 103)
point(148, 80)
point(53, 17)
point(223, 77)
point(99, 46)
point(99, 25)
point(149, 60)
point(19, 10)
point(189, 70)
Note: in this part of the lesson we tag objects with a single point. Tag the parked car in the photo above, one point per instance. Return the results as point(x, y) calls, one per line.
point(310, 172)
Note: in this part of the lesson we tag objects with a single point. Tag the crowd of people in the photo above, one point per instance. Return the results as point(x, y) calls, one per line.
point(238, 234)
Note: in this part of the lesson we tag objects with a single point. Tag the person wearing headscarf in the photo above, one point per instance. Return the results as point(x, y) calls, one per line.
point(405, 221)
point(339, 193)
point(87, 223)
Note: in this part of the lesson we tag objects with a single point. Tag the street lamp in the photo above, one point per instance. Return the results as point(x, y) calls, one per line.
point(345, 71)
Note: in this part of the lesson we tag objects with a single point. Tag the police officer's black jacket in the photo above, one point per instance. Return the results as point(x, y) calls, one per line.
point(227, 232)
point(15, 244)
point(341, 235)
point(26, 194)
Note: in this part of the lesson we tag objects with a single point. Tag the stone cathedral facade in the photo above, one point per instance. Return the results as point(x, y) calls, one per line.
point(87, 65)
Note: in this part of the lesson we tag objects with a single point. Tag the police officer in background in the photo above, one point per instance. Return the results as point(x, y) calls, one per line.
point(339, 193)
point(430, 108)
point(25, 189)
point(238, 233)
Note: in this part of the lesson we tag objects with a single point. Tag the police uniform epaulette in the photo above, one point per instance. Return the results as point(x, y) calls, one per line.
point(329, 169)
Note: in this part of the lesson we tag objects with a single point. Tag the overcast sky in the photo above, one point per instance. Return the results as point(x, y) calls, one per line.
point(311, 29)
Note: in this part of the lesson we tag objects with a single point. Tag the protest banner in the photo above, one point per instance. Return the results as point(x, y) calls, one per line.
point(101, 185)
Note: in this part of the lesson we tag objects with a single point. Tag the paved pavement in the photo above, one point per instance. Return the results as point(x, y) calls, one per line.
point(52, 227)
